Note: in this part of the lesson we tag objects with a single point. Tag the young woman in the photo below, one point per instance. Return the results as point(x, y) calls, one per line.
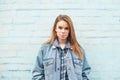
point(61, 57)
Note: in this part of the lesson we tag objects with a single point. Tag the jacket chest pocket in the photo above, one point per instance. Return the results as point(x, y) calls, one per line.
point(48, 66)
point(78, 68)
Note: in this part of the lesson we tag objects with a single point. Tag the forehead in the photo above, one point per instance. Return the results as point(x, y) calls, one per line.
point(62, 23)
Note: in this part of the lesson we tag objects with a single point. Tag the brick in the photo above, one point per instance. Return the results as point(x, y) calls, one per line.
point(23, 22)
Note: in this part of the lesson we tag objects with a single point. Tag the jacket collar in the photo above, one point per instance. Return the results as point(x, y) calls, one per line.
point(56, 44)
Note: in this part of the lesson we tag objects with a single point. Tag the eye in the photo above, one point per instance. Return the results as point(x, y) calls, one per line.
point(66, 28)
point(60, 27)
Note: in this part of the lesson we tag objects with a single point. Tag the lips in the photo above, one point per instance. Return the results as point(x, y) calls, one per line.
point(64, 36)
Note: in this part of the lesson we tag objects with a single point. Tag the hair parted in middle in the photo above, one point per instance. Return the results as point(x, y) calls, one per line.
point(71, 37)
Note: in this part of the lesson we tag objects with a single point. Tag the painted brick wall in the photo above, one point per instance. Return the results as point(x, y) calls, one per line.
point(25, 24)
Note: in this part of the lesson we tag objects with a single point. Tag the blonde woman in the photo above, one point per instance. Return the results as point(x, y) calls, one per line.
point(61, 57)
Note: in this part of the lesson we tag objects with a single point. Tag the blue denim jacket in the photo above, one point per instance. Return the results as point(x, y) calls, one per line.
point(47, 66)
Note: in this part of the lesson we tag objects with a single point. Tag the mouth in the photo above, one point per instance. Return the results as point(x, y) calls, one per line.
point(63, 35)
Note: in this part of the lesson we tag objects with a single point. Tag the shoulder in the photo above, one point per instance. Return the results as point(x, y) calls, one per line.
point(82, 50)
point(45, 47)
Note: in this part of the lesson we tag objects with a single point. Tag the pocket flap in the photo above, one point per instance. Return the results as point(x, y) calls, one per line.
point(48, 62)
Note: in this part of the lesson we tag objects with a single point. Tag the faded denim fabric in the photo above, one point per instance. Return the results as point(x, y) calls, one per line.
point(47, 66)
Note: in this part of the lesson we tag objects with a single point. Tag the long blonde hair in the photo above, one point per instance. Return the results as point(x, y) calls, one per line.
point(72, 37)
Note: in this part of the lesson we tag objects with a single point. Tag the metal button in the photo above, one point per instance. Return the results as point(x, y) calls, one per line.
point(47, 63)
point(58, 68)
point(69, 68)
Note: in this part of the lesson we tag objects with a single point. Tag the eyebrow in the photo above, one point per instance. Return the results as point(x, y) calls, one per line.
point(62, 26)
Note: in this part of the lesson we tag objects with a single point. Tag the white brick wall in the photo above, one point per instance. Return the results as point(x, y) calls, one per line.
point(25, 24)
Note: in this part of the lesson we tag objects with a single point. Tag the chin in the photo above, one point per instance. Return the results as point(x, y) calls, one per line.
point(63, 38)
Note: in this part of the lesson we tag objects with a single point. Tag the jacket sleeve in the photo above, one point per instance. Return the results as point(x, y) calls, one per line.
point(38, 70)
point(86, 68)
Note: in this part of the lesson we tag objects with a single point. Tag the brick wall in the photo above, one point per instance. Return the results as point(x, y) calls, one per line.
point(25, 24)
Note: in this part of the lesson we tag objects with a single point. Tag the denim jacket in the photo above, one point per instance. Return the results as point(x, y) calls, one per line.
point(47, 66)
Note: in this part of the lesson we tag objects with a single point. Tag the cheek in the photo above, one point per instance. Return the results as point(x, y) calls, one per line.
point(68, 32)
point(57, 33)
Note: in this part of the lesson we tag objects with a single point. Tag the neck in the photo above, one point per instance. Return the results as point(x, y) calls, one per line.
point(62, 43)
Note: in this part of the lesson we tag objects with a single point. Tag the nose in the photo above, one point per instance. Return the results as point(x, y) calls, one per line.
point(63, 30)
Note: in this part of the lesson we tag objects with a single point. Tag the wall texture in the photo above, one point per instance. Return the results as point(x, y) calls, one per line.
point(25, 24)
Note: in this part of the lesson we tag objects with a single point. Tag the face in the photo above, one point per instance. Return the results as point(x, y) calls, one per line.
point(62, 30)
